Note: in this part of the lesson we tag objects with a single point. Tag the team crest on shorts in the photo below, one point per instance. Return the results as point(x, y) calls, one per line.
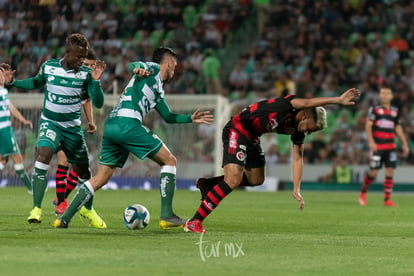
point(240, 156)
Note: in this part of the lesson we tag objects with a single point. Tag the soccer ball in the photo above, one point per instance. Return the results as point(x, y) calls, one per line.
point(136, 216)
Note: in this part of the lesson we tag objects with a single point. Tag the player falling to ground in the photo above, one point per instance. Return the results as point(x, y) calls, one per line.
point(65, 183)
point(8, 144)
point(67, 84)
point(124, 134)
point(243, 157)
point(383, 122)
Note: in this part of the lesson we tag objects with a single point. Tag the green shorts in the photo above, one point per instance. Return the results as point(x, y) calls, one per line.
point(125, 136)
point(71, 140)
point(8, 145)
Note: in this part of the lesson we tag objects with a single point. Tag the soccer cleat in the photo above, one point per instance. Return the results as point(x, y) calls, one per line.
point(93, 217)
point(195, 226)
point(55, 201)
point(201, 184)
point(363, 199)
point(173, 221)
point(60, 223)
point(30, 192)
point(61, 208)
point(35, 215)
point(390, 203)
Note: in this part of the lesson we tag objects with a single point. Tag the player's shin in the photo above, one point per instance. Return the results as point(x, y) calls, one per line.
point(167, 189)
point(23, 176)
point(84, 194)
point(212, 200)
point(39, 182)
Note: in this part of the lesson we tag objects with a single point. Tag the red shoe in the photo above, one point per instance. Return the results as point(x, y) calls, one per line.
point(195, 226)
point(61, 208)
point(363, 199)
point(389, 203)
point(200, 182)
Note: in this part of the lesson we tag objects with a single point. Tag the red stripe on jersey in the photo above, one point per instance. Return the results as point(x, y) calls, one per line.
point(389, 146)
point(253, 107)
point(383, 111)
point(256, 124)
point(237, 125)
point(383, 135)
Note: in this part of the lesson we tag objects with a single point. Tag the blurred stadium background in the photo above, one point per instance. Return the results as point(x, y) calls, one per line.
point(232, 53)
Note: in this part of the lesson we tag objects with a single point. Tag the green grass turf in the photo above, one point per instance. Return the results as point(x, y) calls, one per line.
point(267, 232)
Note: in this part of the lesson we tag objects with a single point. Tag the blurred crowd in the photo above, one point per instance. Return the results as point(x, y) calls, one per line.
point(307, 48)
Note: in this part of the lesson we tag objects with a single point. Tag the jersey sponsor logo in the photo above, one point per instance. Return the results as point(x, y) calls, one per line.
point(67, 100)
point(44, 125)
point(64, 81)
point(384, 123)
point(273, 123)
point(241, 156)
point(60, 100)
point(76, 83)
point(233, 141)
point(51, 134)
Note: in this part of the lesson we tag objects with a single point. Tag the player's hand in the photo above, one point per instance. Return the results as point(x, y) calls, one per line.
point(8, 73)
point(98, 70)
point(91, 127)
point(298, 197)
point(142, 73)
point(349, 97)
point(406, 150)
point(372, 146)
point(202, 117)
point(27, 122)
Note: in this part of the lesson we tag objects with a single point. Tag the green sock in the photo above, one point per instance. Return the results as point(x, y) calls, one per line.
point(25, 178)
point(88, 204)
point(83, 195)
point(167, 189)
point(39, 178)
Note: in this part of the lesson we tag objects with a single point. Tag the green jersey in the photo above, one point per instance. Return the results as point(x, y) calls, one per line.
point(4, 109)
point(143, 94)
point(65, 92)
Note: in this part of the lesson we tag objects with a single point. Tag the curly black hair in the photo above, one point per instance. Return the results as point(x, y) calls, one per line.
point(77, 40)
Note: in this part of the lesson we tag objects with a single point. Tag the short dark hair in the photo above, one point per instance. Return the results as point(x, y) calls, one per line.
point(161, 52)
point(77, 40)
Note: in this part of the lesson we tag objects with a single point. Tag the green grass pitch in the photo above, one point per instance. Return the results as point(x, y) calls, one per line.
point(250, 233)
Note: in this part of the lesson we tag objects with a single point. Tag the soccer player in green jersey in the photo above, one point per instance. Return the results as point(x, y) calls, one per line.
point(8, 145)
point(68, 83)
point(65, 182)
point(124, 133)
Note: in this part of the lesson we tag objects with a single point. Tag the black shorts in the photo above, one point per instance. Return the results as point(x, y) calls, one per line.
point(383, 157)
point(238, 149)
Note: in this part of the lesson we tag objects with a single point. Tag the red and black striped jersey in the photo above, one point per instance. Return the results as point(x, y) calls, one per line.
point(384, 122)
point(273, 115)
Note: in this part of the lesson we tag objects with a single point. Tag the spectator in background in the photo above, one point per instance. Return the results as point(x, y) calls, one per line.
point(211, 72)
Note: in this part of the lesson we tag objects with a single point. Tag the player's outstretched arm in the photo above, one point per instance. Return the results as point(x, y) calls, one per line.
point(347, 98)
